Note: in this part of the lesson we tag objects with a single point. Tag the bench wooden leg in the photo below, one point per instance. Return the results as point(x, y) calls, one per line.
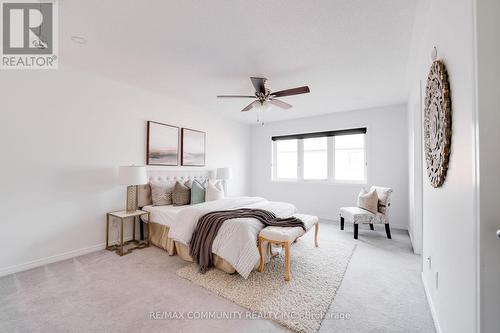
point(356, 231)
point(371, 226)
point(261, 265)
point(316, 226)
point(341, 223)
point(286, 245)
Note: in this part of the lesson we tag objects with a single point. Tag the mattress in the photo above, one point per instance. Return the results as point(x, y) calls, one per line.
point(164, 215)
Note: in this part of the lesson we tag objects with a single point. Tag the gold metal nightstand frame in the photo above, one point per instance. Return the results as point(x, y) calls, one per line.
point(118, 248)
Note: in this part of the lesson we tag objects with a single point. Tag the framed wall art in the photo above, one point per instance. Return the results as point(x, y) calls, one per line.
point(162, 144)
point(193, 145)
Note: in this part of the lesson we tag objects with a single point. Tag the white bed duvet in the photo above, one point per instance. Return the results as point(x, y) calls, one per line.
point(236, 241)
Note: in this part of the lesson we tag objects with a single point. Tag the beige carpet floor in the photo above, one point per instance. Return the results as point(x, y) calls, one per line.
point(101, 292)
point(300, 304)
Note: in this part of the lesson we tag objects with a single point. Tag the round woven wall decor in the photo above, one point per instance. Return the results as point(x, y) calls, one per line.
point(437, 123)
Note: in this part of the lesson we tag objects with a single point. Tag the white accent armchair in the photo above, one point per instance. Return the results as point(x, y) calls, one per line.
point(356, 215)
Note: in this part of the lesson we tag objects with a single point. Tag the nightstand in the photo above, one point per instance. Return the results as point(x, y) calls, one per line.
point(122, 216)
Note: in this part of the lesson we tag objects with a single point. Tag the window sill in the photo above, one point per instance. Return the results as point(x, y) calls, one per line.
point(320, 182)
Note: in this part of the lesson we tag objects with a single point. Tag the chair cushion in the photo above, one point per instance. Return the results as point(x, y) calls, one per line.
point(284, 234)
point(289, 234)
point(309, 220)
point(358, 215)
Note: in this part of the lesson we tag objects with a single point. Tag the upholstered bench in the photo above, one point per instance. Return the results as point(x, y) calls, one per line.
point(284, 237)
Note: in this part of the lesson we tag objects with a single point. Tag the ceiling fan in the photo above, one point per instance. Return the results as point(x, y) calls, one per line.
point(263, 95)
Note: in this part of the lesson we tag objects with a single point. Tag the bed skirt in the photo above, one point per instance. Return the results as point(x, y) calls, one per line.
point(159, 238)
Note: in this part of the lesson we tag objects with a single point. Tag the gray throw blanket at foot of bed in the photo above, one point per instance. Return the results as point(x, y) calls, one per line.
point(200, 247)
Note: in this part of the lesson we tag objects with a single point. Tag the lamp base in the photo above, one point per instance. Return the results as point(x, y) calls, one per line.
point(131, 198)
point(224, 185)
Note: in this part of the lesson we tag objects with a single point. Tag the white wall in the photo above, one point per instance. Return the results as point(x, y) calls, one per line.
point(387, 144)
point(415, 177)
point(449, 219)
point(64, 133)
point(488, 28)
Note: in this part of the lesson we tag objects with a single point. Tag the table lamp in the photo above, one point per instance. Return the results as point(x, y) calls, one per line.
point(132, 175)
point(224, 174)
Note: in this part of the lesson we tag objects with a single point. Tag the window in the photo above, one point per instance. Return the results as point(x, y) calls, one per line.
point(316, 158)
point(286, 159)
point(350, 157)
point(335, 156)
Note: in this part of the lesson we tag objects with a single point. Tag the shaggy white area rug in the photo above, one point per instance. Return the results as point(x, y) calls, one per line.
point(300, 304)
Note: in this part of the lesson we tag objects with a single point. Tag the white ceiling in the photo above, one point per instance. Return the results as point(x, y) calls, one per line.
point(352, 53)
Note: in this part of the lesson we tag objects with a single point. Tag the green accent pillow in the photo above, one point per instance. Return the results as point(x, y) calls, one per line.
point(197, 193)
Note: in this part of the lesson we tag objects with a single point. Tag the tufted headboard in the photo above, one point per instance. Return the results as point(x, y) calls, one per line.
point(159, 175)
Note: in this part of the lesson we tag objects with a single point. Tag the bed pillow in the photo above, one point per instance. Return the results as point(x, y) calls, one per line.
point(197, 193)
point(189, 183)
point(214, 191)
point(161, 193)
point(368, 200)
point(181, 195)
point(202, 182)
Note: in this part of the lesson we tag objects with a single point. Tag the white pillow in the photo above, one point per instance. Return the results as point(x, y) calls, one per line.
point(368, 200)
point(214, 191)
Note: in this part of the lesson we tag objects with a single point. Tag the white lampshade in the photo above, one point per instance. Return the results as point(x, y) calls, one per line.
point(132, 175)
point(224, 173)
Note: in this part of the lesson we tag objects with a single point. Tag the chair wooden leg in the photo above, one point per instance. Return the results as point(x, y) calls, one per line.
point(371, 226)
point(261, 265)
point(287, 261)
point(356, 231)
point(388, 231)
point(316, 227)
point(341, 223)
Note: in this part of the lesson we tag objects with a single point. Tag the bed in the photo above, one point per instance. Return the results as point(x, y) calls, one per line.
point(235, 246)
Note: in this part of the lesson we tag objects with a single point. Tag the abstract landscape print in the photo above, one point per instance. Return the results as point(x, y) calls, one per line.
point(162, 144)
point(193, 147)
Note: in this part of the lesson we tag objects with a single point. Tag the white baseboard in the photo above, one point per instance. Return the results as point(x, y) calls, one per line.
point(431, 305)
point(48, 260)
point(55, 258)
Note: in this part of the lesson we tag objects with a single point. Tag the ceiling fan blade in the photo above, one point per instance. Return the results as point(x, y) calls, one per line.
point(250, 106)
point(280, 104)
point(258, 83)
point(293, 91)
point(234, 96)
